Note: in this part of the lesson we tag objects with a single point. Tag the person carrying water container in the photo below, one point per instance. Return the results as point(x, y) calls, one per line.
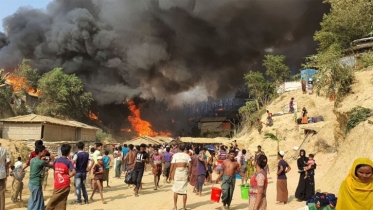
point(230, 168)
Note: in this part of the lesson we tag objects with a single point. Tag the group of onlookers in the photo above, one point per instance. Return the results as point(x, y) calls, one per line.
point(183, 164)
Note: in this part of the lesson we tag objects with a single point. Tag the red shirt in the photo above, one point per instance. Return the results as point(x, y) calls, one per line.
point(61, 167)
point(32, 155)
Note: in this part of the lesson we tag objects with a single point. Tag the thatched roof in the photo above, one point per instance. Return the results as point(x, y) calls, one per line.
point(33, 118)
point(204, 140)
point(145, 140)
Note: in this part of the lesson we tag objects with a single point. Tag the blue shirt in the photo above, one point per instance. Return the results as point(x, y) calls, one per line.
point(106, 162)
point(125, 151)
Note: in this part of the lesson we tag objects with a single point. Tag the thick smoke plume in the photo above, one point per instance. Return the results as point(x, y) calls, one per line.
point(168, 49)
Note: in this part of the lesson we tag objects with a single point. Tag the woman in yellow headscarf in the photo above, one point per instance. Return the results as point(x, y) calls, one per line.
point(356, 191)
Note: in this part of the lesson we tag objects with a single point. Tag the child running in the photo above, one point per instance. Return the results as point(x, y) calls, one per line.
point(309, 163)
point(98, 172)
point(157, 167)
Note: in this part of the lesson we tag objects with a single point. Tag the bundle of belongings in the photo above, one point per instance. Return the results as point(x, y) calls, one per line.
point(311, 119)
point(322, 201)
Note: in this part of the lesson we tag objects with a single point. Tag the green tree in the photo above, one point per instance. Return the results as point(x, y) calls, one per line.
point(5, 95)
point(274, 138)
point(276, 68)
point(333, 76)
point(63, 95)
point(348, 20)
point(259, 88)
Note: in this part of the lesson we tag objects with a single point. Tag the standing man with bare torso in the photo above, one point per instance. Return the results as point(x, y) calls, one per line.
point(230, 168)
point(130, 158)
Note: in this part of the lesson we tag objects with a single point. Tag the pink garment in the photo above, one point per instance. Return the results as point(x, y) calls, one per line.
point(310, 162)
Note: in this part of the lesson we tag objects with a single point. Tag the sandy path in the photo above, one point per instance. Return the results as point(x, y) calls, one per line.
point(119, 196)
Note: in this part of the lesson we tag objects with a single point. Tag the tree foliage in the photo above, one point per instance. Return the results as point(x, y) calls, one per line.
point(259, 88)
point(333, 76)
point(31, 75)
point(348, 20)
point(5, 94)
point(358, 114)
point(274, 138)
point(250, 113)
point(63, 95)
point(276, 68)
point(3, 76)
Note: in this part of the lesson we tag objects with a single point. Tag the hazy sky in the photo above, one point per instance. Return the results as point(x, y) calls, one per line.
point(8, 7)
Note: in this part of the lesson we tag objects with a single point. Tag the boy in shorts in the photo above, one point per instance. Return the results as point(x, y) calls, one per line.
point(98, 171)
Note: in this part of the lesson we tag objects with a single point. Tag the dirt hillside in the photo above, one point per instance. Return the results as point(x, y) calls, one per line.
point(332, 147)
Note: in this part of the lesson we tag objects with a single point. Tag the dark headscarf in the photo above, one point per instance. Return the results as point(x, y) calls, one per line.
point(302, 159)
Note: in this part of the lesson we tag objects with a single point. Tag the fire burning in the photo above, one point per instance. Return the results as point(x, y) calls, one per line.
point(142, 127)
point(19, 83)
point(92, 116)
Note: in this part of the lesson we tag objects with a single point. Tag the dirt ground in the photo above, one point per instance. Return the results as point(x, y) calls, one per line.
point(120, 197)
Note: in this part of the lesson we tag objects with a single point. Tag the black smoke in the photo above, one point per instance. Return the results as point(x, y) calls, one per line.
point(165, 49)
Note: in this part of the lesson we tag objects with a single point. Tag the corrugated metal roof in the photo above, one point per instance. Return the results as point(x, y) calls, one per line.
point(33, 118)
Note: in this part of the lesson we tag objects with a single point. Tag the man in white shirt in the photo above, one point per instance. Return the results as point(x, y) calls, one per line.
point(4, 170)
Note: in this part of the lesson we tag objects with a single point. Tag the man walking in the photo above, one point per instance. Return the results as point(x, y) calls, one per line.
point(4, 171)
point(180, 172)
point(83, 164)
point(230, 168)
point(125, 151)
point(142, 159)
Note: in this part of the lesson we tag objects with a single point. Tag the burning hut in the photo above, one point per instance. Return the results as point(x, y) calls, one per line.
point(47, 128)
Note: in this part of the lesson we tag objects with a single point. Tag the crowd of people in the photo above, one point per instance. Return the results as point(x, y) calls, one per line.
point(181, 164)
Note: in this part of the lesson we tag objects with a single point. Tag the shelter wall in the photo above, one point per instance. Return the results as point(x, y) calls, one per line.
point(58, 133)
point(87, 135)
point(21, 131)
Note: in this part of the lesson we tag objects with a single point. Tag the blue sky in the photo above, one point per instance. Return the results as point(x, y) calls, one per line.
point(8, 7)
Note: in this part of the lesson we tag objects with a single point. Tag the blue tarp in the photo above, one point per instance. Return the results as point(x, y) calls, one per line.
point(307, 73)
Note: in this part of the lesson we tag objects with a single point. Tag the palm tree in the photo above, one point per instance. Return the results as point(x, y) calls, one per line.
point(275, 138)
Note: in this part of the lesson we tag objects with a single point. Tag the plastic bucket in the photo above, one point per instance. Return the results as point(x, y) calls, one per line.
point(238, 176)
point(245, 191)
point(215, 194)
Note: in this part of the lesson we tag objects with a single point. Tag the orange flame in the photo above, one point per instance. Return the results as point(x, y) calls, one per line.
point(18, 83)
point(142, 127)
point(92, 116)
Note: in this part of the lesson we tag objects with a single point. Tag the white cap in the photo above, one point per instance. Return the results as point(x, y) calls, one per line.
point(281, 153)
point(99, 157)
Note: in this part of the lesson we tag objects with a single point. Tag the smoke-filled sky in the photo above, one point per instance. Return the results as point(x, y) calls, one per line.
point(178, 50)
